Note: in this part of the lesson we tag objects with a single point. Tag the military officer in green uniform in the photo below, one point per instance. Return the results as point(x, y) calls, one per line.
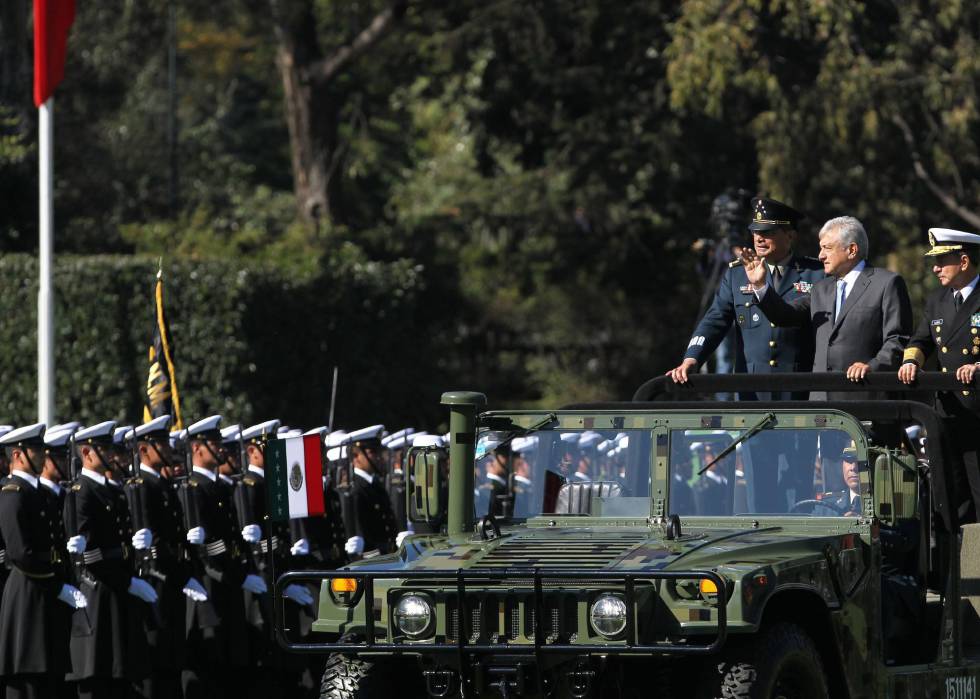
point(950, 331)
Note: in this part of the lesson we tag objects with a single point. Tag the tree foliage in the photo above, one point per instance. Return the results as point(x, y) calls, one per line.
point(546, 167)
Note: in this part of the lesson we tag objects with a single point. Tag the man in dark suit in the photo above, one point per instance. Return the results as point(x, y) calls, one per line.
point(761, 346)
point(861, 315)
point(950, 329)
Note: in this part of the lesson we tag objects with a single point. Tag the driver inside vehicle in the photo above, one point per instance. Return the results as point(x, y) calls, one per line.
point(848, 502)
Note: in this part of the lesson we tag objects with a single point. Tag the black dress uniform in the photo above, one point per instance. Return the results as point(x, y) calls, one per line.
point(164, 566)
point(34, 623)
point(375, 519)
point(216, 640)
point(267, 664)
point(953, 336)
point(108, 647)
point(760, 347)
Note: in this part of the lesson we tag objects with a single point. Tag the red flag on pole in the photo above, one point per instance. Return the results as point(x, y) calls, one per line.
point(52, 20)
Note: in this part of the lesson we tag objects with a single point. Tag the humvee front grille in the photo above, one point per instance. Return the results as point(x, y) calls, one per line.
point(502, 618)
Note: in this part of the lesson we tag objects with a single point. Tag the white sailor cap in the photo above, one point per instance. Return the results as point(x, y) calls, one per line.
point(413, 439)
point(336, 453)
point(209, 426)
point(943, 240)
point(290, 433)
point(263, 430)
point(695, 446)
point(400, 434)
point(604, 445)
point(335, 438)
point(73, 425)
point(524, 444)
point(589, 439)
point(231, 433)
point(178, 437)
point(159, 425)
point(485, 445)
point(623, 442)
point(4, 429)
point(320, 432)
point(366, 436)
point(58, 439)
point(281, 429)
point(428, 440)
point(119, 434)
point(102, 432)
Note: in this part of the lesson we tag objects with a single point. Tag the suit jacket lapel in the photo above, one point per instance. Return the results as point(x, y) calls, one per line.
point(969, 307)
point(860, 286)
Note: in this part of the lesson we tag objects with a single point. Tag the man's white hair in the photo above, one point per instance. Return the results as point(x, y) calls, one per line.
point(849, 230)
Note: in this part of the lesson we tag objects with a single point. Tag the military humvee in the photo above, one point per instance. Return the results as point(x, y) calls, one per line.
point(672, 546)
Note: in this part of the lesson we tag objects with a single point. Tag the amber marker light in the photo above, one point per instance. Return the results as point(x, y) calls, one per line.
point(708, 587)
point(343, 586)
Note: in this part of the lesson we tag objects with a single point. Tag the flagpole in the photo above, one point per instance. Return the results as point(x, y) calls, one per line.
point(45, 298)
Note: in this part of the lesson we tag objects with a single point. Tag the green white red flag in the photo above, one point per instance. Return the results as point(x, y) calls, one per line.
point(294, 474)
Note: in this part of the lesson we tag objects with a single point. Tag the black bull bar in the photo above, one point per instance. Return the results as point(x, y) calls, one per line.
point(460, 579)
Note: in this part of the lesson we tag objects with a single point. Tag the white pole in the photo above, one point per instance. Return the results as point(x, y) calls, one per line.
point(45, 297)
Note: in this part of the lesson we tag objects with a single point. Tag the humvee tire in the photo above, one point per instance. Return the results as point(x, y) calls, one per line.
point(781, 663)
point(351, 678)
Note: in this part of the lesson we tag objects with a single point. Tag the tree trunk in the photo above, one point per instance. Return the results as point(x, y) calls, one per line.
point(314, 104)
point(311, 115)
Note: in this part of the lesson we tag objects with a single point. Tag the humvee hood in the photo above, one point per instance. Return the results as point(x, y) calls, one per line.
point(613, 549)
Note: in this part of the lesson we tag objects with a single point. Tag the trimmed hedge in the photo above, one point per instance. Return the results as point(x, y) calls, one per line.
point(251, 341)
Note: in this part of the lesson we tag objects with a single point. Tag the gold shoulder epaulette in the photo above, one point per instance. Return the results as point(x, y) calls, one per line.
point(77, 487)
point(11, 487)
point(248, 480)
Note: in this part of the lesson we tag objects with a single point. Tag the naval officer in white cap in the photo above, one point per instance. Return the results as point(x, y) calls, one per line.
point(950, 330)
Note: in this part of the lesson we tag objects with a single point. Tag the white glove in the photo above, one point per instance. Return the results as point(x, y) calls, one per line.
point(252, 533)
point(76, 544)
point(355, 545)
point(142, 589)
point(300, 548)
point(401, 537)
point(142, 539)
point(195, 535)
point(72, 596)
point(195, 590)
point(298, 594)
point(254, 584)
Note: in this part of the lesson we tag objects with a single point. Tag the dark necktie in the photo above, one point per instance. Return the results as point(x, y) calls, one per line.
point(957, 300)
point(777, 276)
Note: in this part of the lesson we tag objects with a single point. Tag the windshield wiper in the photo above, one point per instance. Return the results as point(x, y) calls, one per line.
point(757, 427)
point(521, 431)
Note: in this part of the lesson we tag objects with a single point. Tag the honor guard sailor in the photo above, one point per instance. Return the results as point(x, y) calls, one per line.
point(949, 330)
point(376, 527)
point(216, 640)
point(34, 618)
point(158, 543)
point(108, 648)
point(760, 346)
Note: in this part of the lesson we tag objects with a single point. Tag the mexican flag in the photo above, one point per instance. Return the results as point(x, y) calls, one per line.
point(294, 473)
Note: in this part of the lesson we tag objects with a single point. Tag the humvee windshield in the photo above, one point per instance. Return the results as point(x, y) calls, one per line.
point(584, 472)
point(784, 471)
point(773, 472)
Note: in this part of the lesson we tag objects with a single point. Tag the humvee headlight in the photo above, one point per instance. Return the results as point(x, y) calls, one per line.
point(413, 615)
point(608, 616)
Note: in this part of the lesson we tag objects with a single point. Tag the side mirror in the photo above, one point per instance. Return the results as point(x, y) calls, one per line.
point(425, 494)
point(896, 487)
